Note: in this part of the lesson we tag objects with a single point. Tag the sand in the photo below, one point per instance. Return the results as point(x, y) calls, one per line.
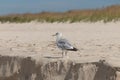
point(95, 41)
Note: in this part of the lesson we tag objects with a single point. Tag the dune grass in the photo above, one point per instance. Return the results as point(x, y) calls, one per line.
point(111, 13)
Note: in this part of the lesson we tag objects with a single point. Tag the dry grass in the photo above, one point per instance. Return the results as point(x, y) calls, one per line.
point(111, 13)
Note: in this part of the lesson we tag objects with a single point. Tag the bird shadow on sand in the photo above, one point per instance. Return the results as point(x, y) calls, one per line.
point(52, 57)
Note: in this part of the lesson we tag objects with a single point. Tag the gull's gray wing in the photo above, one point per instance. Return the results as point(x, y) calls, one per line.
point(64, 44)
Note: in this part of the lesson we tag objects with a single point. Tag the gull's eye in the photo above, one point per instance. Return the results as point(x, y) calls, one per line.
point(56, 33)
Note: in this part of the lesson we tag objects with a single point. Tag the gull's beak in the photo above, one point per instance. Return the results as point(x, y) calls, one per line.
point(54, 35)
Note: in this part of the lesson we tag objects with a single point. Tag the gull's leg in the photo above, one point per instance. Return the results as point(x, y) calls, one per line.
point(62, 53)
point(65, 53)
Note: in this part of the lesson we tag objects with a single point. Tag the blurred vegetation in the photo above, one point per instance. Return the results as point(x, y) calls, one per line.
point(111, 13)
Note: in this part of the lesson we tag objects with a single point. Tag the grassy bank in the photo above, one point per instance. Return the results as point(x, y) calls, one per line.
point(107, 14)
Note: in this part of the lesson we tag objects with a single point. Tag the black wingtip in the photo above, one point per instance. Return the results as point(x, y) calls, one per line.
point(74, 49)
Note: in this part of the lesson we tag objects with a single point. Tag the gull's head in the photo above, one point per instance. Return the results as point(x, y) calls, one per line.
point(58, 34)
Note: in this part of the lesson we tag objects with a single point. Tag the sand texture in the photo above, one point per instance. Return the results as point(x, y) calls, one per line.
point(96, 42)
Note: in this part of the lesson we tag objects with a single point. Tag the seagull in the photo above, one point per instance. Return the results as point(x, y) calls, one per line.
point(63, 44)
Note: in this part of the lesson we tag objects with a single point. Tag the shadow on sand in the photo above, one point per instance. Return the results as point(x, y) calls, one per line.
point(52, 57)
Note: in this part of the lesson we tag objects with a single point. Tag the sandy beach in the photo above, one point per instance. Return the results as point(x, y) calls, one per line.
point(95, 41)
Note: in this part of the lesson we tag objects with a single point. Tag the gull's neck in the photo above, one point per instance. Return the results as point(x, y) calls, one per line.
point(58, 37)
